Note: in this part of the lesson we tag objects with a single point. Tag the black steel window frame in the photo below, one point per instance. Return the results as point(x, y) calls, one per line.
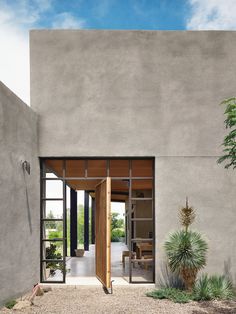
point(44, 178)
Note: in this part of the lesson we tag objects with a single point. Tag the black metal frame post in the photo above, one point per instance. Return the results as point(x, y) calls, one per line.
point(86, 220)
point(73, 222)
point(93, 221)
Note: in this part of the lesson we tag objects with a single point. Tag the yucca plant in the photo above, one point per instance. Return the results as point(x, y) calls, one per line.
point(213, 287)
point(187, 215)
point(222, 287)
point(186, 250)
point(202, 290)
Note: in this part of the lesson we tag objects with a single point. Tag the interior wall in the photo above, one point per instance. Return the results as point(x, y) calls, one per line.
point(19, 195)
point(143, 210)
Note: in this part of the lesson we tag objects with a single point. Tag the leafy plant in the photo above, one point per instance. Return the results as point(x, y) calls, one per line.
point(230, 139)
point(116, 234)
point(116, 222)
point(213, 287)
point(10, 304)
point(117, 227)
point(176, 295)
point(51, 253)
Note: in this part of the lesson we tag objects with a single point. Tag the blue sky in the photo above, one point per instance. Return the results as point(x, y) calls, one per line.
point(18, 16)
point(120, 14)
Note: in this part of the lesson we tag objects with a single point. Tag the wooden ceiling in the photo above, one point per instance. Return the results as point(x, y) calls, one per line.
point(91, 168)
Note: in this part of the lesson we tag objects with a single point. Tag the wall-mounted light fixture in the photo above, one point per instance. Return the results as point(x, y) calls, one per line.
point(26, 166)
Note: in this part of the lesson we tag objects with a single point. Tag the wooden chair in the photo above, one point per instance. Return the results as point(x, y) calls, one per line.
point(126, 254)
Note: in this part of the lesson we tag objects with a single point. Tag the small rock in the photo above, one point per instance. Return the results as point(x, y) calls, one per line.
point(22, 305)
point(40, 292)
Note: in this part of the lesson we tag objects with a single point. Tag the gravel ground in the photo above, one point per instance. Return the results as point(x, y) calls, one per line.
point(123, 300)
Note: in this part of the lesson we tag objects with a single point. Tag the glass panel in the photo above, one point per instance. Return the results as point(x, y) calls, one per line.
point(80, 225)
point(53, 209)
point(142, 262)
point(53, 271)
point(53, 188)
point(119, 168)
point(142, 188)
point(97, 168)
point(142, 168)
point(68, 212)
point(53, 229)
point(142, 209)
point(143, 229)
point(52, 250)
point(75, 168)
point(53, 168)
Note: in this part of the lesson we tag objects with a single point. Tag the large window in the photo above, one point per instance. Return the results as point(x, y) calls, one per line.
point(132, 182)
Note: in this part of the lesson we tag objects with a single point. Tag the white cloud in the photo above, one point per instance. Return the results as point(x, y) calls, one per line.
point(16, 18)
point(66, 20)
point(212, 15)
point(14, 54)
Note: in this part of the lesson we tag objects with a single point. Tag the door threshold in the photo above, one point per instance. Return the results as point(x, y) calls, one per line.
point(93, 281)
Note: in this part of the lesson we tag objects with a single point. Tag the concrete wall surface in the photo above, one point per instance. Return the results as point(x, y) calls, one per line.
point(145, 93)
point(19, 195)
point(132, 93)
point(211, 191)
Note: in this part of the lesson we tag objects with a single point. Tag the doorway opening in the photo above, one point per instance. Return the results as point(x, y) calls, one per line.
point(102, 209)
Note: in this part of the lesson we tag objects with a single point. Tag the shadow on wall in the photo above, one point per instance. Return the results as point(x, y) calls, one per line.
point(228, 272)
point(26, 168)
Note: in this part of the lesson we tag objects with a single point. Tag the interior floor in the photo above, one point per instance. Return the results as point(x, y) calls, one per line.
point(81, 270)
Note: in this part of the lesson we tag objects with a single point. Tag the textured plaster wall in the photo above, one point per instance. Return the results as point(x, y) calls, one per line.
point(145, 93)
point(211, 191)
point(19, 217)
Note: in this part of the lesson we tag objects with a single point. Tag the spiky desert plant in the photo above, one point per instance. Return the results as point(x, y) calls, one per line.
point(222, 287)
point(186, 253)
point(202, 289)
point(213, 287)
point(186, 215)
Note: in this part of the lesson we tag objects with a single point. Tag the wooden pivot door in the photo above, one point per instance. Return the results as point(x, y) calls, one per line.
point(103, 232)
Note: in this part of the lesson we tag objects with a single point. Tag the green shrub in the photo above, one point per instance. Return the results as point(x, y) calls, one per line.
point(213, 287)
point(51, 253)
point(176, 295)
point(116, 234)
point(10, 304)
point(206, 288)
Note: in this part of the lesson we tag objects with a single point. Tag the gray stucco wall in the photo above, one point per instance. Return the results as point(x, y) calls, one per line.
point(145, 93)
point(19, 220)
